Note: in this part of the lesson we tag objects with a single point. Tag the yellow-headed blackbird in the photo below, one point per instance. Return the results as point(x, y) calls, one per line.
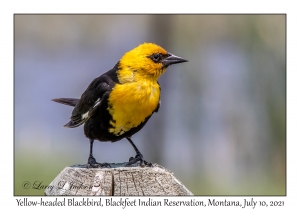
point(118, 103)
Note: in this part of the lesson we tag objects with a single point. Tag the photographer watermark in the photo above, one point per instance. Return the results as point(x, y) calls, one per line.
point(40, 185)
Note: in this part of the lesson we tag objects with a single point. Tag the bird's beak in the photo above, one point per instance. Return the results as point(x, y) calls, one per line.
point(172, 59)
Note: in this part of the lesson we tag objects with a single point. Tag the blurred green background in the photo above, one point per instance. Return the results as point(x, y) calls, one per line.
point(221, 127)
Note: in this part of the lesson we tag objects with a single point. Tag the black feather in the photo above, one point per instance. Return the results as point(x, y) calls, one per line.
point(66, 101)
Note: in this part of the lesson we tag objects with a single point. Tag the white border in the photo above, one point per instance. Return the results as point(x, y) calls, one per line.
point(8, 8)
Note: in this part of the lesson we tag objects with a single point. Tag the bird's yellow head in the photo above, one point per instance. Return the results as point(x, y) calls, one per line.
point(145, 62)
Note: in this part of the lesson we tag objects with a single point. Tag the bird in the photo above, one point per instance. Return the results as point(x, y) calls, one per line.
point(118, 104)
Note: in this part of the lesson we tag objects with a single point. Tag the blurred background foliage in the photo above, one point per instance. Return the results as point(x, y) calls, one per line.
point(221, 127)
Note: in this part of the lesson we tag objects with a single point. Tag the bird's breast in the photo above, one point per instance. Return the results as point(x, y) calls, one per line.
point(130, 104)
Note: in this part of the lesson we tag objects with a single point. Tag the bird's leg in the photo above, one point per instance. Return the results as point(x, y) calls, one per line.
point(138, 157)
point(92, 161)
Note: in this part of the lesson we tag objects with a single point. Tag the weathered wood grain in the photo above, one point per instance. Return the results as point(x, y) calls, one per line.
point(116, 181)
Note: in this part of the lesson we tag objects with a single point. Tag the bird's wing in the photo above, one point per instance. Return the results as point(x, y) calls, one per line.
point(90, 100)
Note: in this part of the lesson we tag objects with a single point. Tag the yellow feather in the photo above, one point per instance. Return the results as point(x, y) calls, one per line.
point(136, 98)
point(131, 104)
point(135, 64)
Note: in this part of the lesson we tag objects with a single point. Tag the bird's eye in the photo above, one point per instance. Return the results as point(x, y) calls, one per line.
point(156, 57)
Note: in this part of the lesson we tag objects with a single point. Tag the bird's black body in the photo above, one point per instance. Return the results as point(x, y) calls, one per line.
point(97, 126)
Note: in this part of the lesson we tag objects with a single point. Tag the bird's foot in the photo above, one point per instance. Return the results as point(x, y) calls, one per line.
point(138, 157)
point(94, 164)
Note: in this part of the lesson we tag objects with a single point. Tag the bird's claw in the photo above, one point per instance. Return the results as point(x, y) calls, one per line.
point(94, 164)
point(138, 157)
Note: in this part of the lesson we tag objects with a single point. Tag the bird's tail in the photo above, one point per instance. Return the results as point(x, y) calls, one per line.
point(66, 101)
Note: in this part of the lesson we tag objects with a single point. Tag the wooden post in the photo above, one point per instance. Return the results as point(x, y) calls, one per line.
point(116, 181)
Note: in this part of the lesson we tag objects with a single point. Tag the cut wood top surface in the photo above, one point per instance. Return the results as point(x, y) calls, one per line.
point(116, 181)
